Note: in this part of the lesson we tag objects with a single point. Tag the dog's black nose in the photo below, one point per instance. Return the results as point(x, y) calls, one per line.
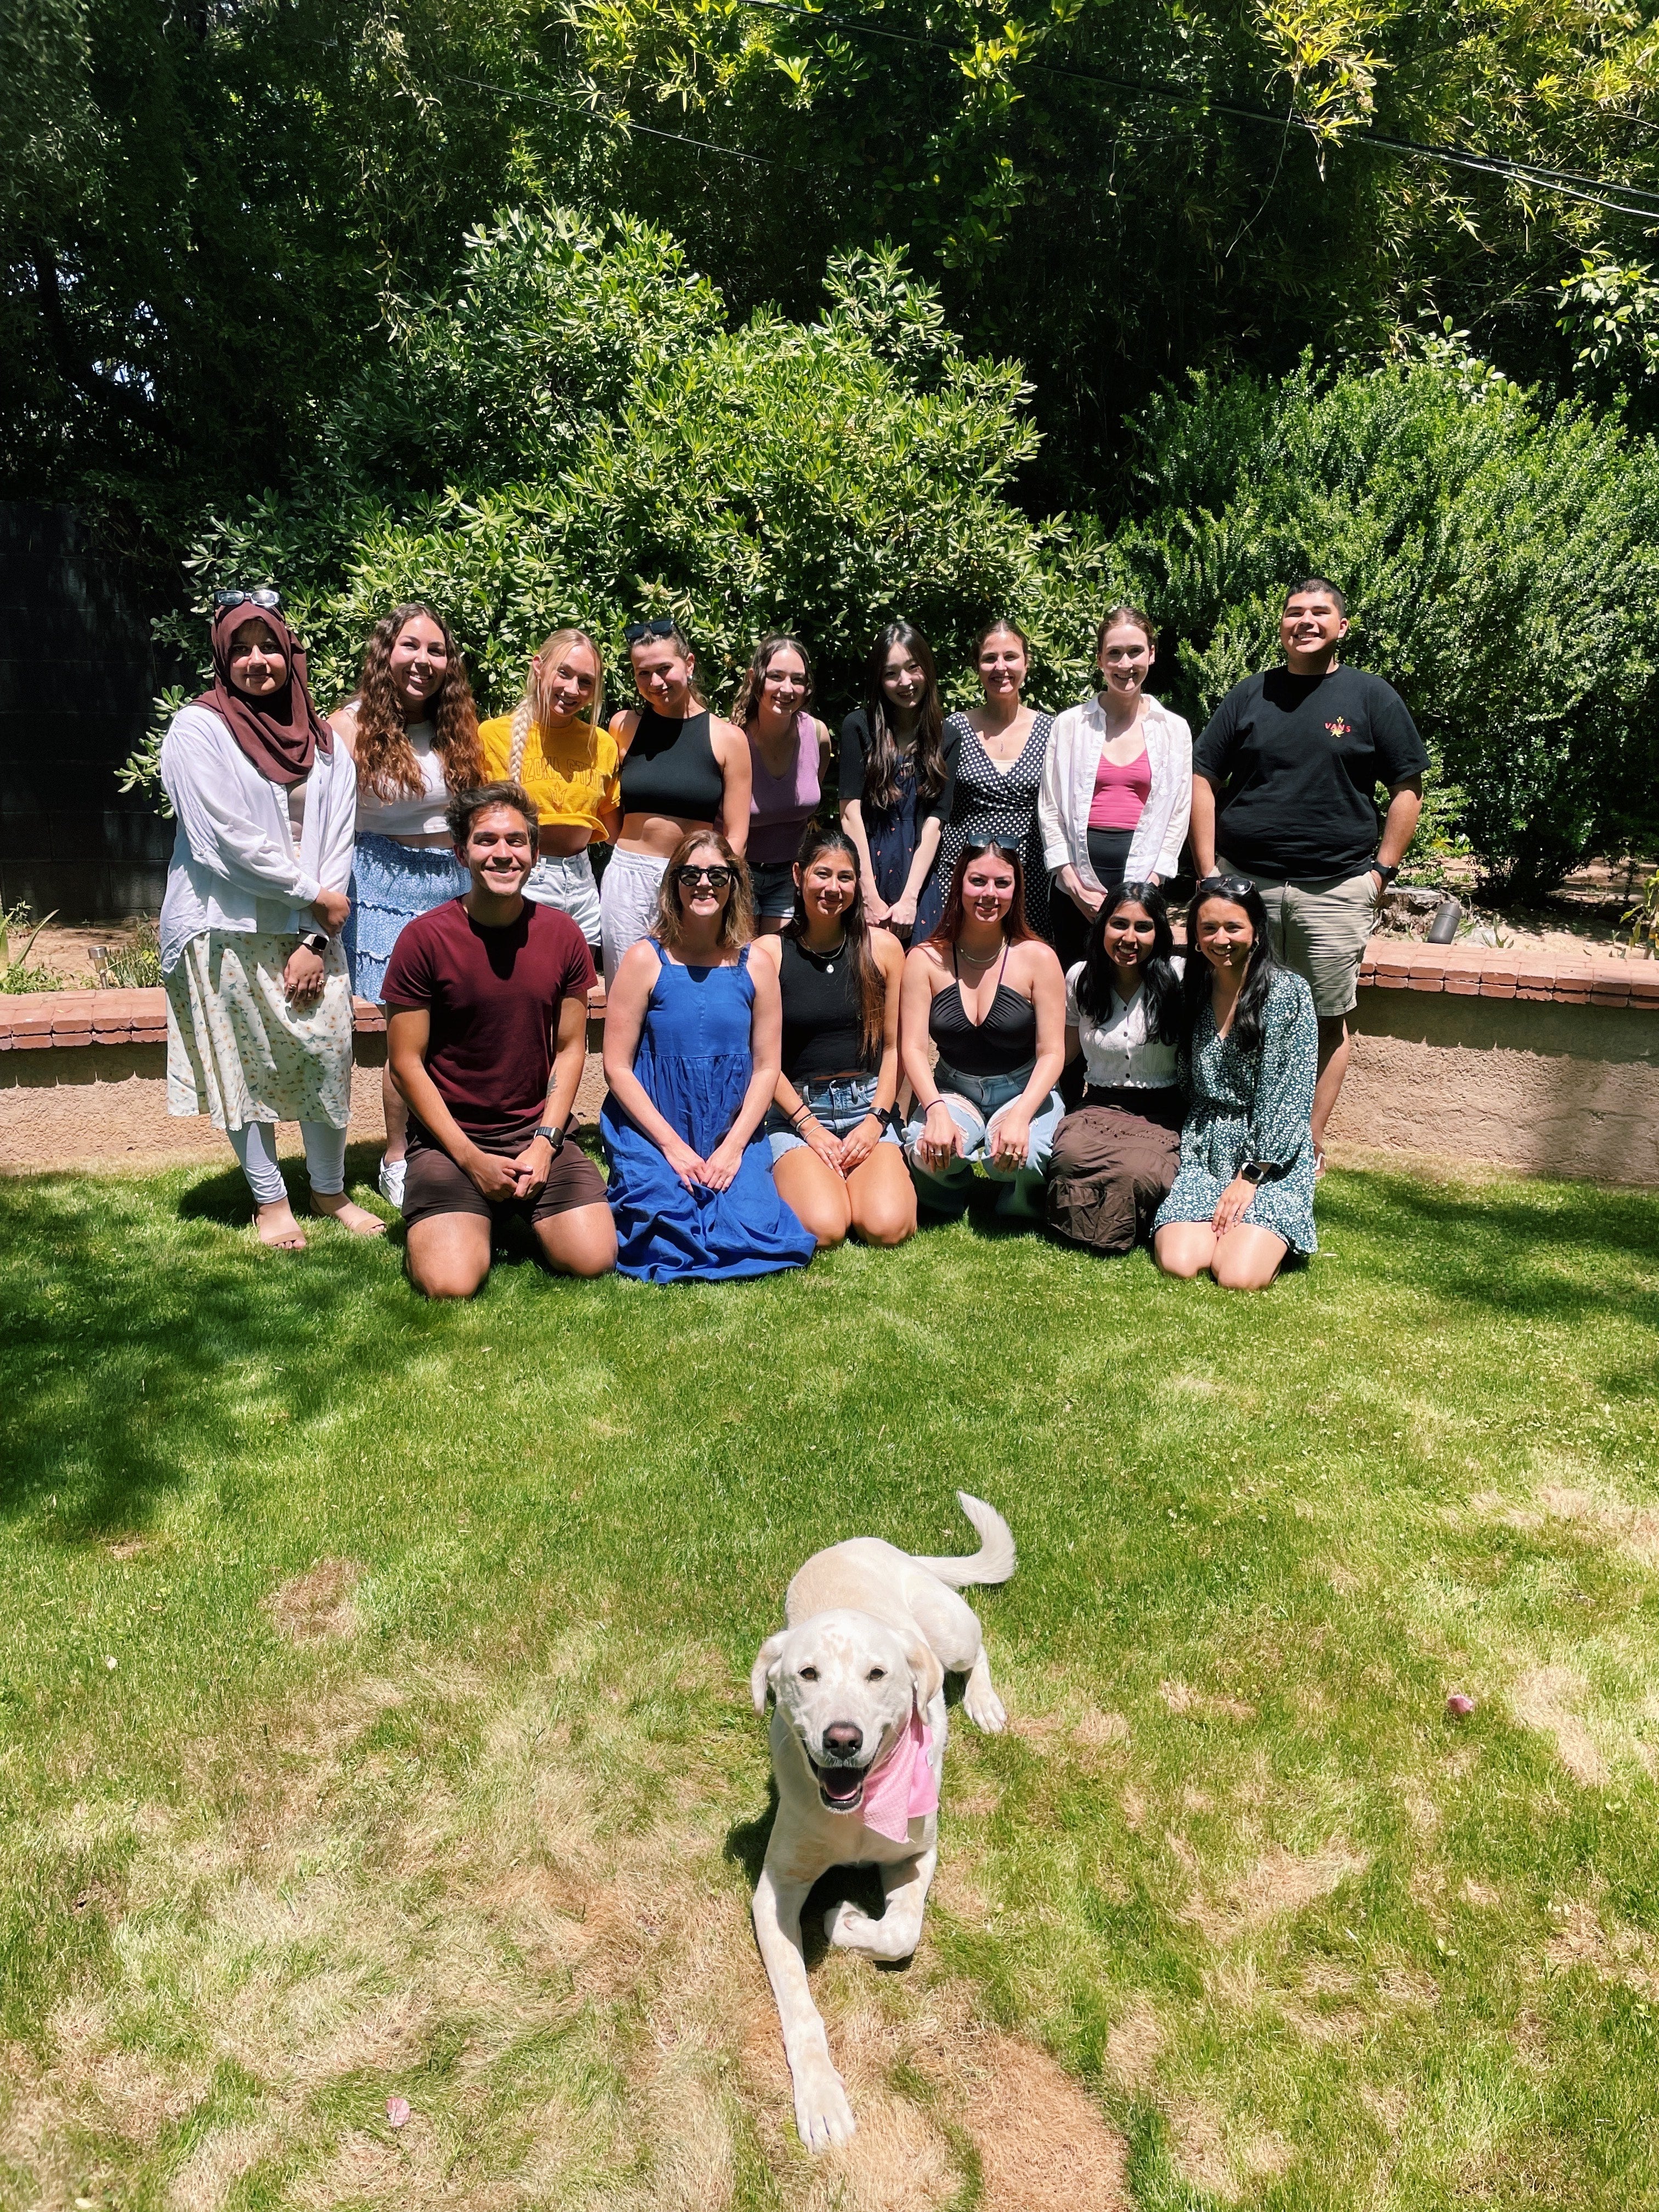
point(841, 1738)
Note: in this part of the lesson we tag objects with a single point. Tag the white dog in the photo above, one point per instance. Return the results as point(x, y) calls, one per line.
point(858, 1748)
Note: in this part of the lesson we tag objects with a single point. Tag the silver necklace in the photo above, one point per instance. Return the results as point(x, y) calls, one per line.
point(826, 960)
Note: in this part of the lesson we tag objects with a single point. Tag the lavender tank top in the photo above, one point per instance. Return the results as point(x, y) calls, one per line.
point(781, 807)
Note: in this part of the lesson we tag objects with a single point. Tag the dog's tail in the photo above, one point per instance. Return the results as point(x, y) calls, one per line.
point(993, 1562)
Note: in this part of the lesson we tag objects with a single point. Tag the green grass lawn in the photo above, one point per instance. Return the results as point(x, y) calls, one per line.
point(375, 1721)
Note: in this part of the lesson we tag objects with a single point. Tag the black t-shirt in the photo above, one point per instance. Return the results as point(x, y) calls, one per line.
point(1296, 760)
point(854, 750)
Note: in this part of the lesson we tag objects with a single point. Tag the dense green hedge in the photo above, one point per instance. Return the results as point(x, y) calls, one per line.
point(576, 434)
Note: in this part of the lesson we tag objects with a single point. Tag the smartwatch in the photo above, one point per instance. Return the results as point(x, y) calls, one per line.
point(1387, 874)
point(555, 1137)
point(1252, 1170)
point(315, 940)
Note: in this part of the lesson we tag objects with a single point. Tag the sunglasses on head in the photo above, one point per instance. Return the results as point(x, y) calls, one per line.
point(224, 601)
point(662, 626)
point(716, 878)
point(990, 848)
point(1232, 887)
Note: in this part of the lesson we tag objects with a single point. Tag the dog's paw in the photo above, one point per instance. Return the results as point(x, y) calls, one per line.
point(822, 2111)
point(850, 1928)
point(984, 1708)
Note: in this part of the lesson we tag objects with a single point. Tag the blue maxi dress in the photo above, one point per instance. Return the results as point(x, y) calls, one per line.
point(694, 1061)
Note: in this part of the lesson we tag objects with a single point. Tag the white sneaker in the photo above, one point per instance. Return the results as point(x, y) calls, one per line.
point(391, 1181)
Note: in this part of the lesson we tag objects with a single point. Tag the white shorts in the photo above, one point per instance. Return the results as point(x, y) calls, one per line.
point(566, 881)
point(627, 903)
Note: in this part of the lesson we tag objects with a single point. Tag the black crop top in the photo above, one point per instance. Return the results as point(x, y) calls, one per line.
point(1003, 1043)
point(670, 768)
point(822, 1027)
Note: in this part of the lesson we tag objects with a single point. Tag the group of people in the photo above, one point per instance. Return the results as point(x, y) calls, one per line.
point(815, 1022)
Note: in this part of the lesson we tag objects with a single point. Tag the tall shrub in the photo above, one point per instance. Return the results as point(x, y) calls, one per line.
point(1501, 561)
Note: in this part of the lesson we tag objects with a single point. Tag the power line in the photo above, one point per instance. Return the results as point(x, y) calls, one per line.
point(626, 123)
point(1561, 182)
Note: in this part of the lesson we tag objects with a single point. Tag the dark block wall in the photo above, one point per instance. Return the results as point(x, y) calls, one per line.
point(77, 674)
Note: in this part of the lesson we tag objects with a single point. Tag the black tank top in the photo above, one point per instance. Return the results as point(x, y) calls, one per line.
point(670, 768)
point(1003, 1040)
point(823, 1028)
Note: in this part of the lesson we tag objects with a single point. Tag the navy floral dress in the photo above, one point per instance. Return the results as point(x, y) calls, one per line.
point(1252, 1106)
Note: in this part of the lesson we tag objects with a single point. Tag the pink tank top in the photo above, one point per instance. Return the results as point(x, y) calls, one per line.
point(780, 806)
point(1121, 793)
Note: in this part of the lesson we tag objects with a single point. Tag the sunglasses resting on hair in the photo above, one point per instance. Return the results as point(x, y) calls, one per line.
point(662, 626)
point(223, 601)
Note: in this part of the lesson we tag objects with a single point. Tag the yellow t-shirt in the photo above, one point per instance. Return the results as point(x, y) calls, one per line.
point(577, 785)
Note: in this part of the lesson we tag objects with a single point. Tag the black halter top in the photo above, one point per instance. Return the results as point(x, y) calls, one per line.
point(1005, 1040)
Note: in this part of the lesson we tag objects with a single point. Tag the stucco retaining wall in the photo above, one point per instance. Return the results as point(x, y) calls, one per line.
point(1458, 1055)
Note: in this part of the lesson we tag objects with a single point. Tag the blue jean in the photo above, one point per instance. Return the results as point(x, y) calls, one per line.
point(839, 1102)
point(976, 1103)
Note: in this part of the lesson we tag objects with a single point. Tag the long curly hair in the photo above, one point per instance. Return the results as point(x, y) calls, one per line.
point(746, 705)
point(386, 759)
point(1159, 983)
point(1259, 970)
point(736, 922)
point(881, 787)
point(530, 711)
point(830, 837)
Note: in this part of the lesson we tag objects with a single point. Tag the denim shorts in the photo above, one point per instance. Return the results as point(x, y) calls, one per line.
point(839, 1102)
point(973, 1102)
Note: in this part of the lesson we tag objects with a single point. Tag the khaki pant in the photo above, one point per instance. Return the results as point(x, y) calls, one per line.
point(1319, 929)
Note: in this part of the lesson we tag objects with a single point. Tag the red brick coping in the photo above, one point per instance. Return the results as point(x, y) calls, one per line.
point(37, 1021)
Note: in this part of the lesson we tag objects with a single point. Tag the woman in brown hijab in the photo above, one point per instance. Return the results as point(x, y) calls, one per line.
point(259, 1003)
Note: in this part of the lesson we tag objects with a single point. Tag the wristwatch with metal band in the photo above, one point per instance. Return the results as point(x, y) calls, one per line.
point(555, 1137)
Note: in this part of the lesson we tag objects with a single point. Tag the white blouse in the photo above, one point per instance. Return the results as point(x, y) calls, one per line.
point(1077, 740)
point(236, 862)
point(410, 814)
point(1117, 1053)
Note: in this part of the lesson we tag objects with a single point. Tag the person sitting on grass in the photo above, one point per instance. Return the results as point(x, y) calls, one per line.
point(1244, 1196)
point(988, 993)
point(486, 1032)
point(691, 1046)
point(1115, 1155)
point(836, 1153)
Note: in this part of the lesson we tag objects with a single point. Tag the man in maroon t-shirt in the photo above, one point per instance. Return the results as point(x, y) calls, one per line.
point(486, 998)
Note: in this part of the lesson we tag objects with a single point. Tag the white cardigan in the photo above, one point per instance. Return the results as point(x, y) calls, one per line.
point(233, 863)
point(1068, 792)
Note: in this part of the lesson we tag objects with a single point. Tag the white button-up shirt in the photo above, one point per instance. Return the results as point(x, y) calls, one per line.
point(1117, 1053)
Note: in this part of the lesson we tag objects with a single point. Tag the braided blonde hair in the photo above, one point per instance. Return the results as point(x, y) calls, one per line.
point(528, 710)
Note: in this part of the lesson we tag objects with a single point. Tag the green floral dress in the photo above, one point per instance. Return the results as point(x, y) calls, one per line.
point(1252, 1106)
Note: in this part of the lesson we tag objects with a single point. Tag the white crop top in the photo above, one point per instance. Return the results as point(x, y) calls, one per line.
point(419, 814)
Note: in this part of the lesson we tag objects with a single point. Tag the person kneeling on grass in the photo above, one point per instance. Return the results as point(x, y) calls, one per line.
point(1243, 1196)
point(835, 1155)
point(691, 1030)
point(486, 999)
point(988, 995)
point(1115, 1156)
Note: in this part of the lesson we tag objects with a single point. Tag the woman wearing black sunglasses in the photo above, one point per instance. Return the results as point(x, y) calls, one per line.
point(693, 1041)
point(682, 770)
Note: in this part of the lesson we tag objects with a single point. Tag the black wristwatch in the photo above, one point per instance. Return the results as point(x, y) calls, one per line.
point(315, 940)
point(1387, 874)
point(1252, 1170)
point(555, 1137)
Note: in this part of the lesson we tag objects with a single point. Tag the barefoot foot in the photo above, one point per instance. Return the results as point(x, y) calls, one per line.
point(349, 1215)
point(274, 1225)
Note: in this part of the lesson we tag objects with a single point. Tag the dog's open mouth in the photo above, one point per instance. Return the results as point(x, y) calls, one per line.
point(841, 1787)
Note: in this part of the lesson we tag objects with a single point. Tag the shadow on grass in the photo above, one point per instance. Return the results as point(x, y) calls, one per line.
point(135, 1313)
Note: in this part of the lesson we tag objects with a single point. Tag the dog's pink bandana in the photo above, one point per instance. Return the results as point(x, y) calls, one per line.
point(903, 1785)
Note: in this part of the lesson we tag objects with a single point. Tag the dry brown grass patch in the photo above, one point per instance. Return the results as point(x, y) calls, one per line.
point(1133, 2045)
point(1279, 1882)
point(1187, 1704)
point(311, 1608)
point(1544, 1699)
